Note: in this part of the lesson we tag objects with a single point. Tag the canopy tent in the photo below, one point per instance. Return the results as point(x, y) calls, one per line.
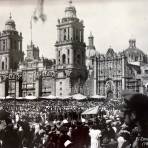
point(20, 98)
point(49, 97)
point(2, 98)
point(99, 97)
point(64, 97)
point(9, 97)
point(79, 97)
point(91, 111)
point(30, 97)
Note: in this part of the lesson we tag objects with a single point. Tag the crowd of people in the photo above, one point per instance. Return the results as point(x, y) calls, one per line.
point(35, 111)
point(59, 124)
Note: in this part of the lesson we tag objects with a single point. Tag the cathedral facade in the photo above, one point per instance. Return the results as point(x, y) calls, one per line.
point(111, 73)
point(77, 68)
point(38, 76)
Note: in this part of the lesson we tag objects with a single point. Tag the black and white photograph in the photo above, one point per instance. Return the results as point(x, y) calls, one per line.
point(73, 74)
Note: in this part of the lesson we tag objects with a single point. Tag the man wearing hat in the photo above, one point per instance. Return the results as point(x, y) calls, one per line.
point(136, 115)
point(8, 135)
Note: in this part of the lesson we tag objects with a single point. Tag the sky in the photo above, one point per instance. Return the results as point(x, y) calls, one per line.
point(112, 22)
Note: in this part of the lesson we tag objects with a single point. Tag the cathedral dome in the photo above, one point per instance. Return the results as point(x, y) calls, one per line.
point(133, 53)
point(10, 24)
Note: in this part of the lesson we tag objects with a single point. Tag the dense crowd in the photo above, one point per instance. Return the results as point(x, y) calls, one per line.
point(59, 124)
point(35, 111)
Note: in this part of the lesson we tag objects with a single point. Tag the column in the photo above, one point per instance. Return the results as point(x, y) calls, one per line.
point(37, 87)
point(58, 34)
point(2, 88)
point(95, 77)
point(123, 73)
point(71, 56)
point(57, 56)
point(71, 33)
point(17, 88)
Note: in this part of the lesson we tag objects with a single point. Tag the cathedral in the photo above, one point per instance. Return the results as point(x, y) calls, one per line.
point(39, 76)
point(111, 73)
point(77, 68)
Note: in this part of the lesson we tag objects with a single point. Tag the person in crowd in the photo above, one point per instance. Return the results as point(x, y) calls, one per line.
point(109, 136)
point(124, 139)
point(135, 115)
point(8, 134)
point(95, 135)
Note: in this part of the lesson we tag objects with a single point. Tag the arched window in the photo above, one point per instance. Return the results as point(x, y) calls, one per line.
point(64, 59)
point(78, 59)
point(3, 65)
point(92, 61)
point(136, 58)
point(64, 34)
point(6, 64)
point(68, 51)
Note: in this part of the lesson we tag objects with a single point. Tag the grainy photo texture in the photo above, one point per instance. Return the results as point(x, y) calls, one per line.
point(73, 74)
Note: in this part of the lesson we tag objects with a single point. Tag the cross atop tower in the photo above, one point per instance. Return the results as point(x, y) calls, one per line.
point(70, 2)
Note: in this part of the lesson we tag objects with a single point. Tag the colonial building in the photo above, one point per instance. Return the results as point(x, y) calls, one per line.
point(113, 72)
point(39, 76)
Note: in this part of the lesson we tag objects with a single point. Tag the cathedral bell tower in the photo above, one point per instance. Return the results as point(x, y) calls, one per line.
point(10, 47)
point(70, 53)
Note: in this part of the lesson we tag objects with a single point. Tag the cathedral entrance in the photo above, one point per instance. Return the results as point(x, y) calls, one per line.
point(109, 95)
point(109, 89)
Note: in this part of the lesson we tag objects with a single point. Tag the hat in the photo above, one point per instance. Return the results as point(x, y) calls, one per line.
point(108, 121)
point(54, 122)
point(83, 120)
point(65, 121)
point(67, 143)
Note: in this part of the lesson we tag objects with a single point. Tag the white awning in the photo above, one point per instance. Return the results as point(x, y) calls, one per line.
point(49, 97)
point(91, 111)
point(9, 97)
point(64, 97)
point(98, 97)
point(79, 97)
point(30, 97)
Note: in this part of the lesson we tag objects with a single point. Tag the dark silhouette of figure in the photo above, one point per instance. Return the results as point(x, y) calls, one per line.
point(136, 115)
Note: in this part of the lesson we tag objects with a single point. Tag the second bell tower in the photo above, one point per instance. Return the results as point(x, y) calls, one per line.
point(70, 53)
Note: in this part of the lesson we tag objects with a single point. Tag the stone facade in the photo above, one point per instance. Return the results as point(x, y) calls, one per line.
point(111, 73)
point(70, 54)
point(39, 76)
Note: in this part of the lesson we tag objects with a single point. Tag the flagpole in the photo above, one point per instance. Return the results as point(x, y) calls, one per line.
point(31, 29)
